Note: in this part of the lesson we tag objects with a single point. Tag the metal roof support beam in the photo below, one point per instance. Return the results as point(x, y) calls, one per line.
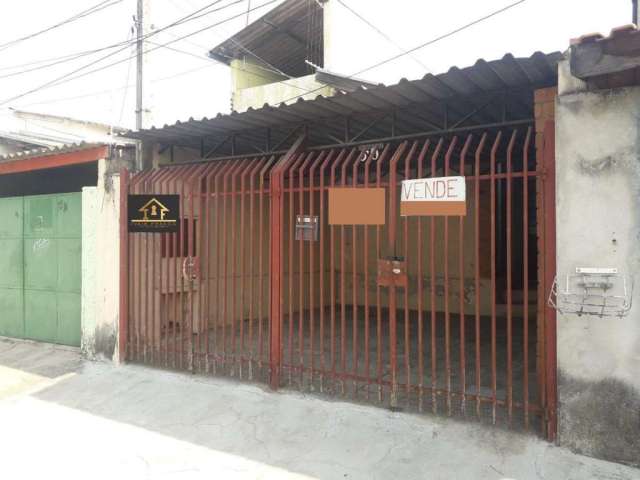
point(411, 136)
point(347, 128)
point(218, 146)
point(295, 130)
point(479, 109)
point(370, 126)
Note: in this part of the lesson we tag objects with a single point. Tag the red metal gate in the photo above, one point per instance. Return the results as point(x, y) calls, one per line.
point(242, 290)
point(199, 298)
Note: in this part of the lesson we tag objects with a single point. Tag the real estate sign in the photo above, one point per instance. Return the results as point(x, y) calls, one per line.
point(153, 213)
point(440, 196)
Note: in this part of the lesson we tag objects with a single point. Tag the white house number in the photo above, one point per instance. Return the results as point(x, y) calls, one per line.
point(373, 152)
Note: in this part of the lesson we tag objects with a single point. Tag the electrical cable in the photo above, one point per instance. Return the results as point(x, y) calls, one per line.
point(126, 90)
point(430, 42)
point(382, 34)
point(94, 9)
point(69, 58)
point(111, 90)
point(69, 76)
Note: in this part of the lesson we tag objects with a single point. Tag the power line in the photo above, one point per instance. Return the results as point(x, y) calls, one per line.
point(68, 77)
point(94, 9)
point(64, 78)
point(253, 54)
point(184, 52)
point(382, 34)
point(209, 60)
point(126, 90)
point(69, 58)
point(111, 90)
point(430, 42)
point(442, 37)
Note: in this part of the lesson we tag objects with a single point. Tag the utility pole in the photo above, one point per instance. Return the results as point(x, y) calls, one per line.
point(142, 29)
point(635, 11)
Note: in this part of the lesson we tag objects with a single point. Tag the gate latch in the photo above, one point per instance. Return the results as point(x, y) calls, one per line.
point(190, 269)
point(392, 272)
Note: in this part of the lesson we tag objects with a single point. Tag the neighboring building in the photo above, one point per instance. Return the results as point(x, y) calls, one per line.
point(58, 225)
point(24, 131)
point(282, 55)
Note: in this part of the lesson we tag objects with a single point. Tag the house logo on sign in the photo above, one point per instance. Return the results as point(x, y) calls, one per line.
point(153, 213)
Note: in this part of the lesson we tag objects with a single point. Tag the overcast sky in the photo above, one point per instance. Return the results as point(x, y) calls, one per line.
point(191, 85)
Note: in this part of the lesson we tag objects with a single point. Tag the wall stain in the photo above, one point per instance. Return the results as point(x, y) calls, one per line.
point(600, 419)
point(105, 341)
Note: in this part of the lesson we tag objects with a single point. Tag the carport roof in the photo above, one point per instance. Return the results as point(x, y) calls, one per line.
point(47, 151)
point(483, 78)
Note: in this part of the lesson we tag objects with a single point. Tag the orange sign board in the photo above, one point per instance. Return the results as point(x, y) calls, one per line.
point(440, 196)
point(356, 206)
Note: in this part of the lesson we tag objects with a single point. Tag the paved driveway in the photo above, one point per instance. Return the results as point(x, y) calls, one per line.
point(61, 417)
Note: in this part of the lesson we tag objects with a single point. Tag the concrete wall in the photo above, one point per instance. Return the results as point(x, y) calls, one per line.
point(598, 225)
point(245, 73)
point(100, 266)
point(278, 92)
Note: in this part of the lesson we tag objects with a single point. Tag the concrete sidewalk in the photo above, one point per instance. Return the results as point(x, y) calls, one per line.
point(61, 417)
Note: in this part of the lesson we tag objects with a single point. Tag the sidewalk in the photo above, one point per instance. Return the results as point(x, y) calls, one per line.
point(61, 417)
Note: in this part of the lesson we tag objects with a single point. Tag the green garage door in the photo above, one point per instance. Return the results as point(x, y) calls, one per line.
point(40, 267)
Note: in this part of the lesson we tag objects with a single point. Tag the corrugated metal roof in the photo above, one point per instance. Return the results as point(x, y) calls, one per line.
point(46, 151)
point(281, 37)
point(462, 89)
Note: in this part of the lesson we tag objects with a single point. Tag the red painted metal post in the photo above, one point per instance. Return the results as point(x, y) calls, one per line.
point(525, 260)
point(421, 158)
point(407, 325)
point(461, 274)
point(393, 221)
point(476, 192)
point(276, 293)
point(510, 279)
point(432, 265)
point(123, 319)
point(447, 316)
point(494, 151)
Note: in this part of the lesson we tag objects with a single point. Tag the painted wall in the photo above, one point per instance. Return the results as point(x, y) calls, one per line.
point(287, 91)
point(245, 73)
point(598, 200)
point(100, 266)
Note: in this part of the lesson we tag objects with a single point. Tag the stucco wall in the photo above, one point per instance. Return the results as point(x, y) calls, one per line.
point(287, 91)
point(598, 225)
point(100, 266)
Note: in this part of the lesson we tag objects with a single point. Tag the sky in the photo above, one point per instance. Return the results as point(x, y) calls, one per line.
point(185, 83)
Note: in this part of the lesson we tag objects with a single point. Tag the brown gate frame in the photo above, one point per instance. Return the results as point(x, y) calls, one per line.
point(547, 239)
point(277, 266)
point(547, 265)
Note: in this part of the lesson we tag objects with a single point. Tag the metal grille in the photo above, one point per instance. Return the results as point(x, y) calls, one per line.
point(461, 337)
point(199, 298)
point(244, 293)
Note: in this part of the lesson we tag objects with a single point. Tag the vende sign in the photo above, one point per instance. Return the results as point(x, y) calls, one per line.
point(441, 196)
